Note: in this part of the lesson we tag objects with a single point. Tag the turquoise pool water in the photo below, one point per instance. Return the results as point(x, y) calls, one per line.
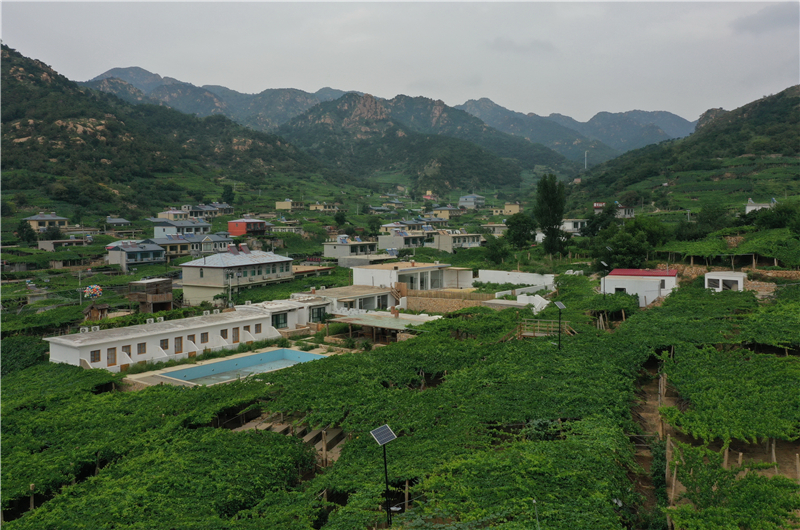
point(231, 369)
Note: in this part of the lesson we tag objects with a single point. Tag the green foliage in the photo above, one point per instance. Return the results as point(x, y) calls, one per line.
point(22, 351)
point(496, 248)
point(549, 211)
point(520, 229)
point(735, 394)
point(25, 233)
point(721, 499)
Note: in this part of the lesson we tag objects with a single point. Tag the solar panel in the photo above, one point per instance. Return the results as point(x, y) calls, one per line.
point(383, 435)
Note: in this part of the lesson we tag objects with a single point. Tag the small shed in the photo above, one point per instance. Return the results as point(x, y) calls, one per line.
point(645, 283)
point(725, 281)
point(95, 312)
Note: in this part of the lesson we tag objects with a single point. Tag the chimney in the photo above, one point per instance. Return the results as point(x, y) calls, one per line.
point(313, 290)
point(413, 263)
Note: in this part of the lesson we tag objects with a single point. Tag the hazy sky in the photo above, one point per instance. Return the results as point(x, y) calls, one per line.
point(566, 57)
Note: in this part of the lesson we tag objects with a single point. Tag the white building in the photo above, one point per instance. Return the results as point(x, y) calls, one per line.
point(725, 280)
point(340, 299)
point(573, 226)
point(753, 206)
point(646, 284)
point(116, 349)
point(415, 275)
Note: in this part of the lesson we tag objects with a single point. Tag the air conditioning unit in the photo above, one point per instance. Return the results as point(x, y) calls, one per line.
point(84, 330)
point(206, 313)
point(160, 319)
point(150, 321)
point(95, 328)
point(250, 279)
point(247, 302)
point(216, 311)
point(263, 277)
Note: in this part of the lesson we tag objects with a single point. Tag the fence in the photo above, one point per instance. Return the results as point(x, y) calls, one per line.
point(449, 295)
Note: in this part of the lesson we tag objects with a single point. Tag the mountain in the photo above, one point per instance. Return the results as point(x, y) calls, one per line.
point(84, 147)
point(360, 134)
point(430, 116)
point(749, 150)
point(122, 89)
point(536, 129)
point(670, 123)
point(264, 111)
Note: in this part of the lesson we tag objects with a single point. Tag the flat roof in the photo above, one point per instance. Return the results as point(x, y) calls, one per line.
point(386, 320)
point(643, 272)
point(77, 340)
point(352, 290)
point(403, 265)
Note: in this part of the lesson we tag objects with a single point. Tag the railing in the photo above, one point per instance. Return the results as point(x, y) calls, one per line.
point(540, 328)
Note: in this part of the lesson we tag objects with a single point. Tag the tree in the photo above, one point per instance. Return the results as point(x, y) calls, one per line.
point(549, 211)
point(6, 209)
point(52, 233)
point(374, 224)
point(600, 221)
point(519, 230)
point(496, 249)
point(227, 194)
point(340, 218)
point(621, 248)
point(25, 233)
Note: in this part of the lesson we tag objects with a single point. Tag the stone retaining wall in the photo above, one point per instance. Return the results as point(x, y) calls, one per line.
point(438, 305)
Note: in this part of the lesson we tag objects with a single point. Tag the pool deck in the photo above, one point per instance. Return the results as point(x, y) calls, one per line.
point(161, 377)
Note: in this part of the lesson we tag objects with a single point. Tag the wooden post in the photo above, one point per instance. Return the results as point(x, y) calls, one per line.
point(741, 456)
point(774, 459)
point(32, 488)
point(669, 456)
point(674, 482)
point(797, 466)
point(325, 495)
point(725, 460)
point(406, 505)
point(324, 448)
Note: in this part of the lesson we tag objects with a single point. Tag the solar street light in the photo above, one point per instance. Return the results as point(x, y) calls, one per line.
point(383, 435)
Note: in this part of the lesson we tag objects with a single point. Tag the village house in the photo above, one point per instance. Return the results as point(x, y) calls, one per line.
point(116, 349)
point(471, 201)
point(623, 212)
point(754, 206)
point(573, 226)
point(116, 222)
point(173, 214)
point(324, 207)
point(223, 208)
point(446, 212)
point(201, 211)
point(42, 221)
point(363, 297)
point(401, 238)
point(510, 208)
point(179, 246)
point(152, 295)
point(232, 271)
point(344, 247)
point(129, 254)
point(164, 227)
point(248, 226)
point(495, 229)
point(54, 244)
point(415, 275)
point(645, 283)
point(289, 205)
point(452, 240)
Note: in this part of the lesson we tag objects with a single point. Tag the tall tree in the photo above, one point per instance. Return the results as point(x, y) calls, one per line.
point(25, 233)
point(227, 194)
point(519, 229)
point(549, 211)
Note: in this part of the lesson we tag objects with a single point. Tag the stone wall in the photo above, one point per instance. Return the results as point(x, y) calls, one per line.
point(439, 305)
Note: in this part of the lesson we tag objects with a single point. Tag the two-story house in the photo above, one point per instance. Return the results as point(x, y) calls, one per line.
point(229, 272)
point(130, 254)
point(42, 221)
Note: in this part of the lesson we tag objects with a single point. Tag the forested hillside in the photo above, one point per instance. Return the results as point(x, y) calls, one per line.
point(82, 146)
point(359, 135)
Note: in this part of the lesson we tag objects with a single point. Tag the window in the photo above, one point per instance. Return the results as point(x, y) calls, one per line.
point(164, 344)
point(620, 290)
point(317, 314)
point(190, 338)
point(126, 350)
point(141, 348)
point(111, 356)
point(663, 284)
point(281, 320)
point(247, 329)
point(201, 272)
point(178, 344)
point(235, 335)
point(203, 338)
point(258, 328)
point(94, 356)
point(223, 333)
point(713, 283)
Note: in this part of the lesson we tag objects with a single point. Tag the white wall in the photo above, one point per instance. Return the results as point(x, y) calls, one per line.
point(648, 289)
point(738, 277)
point(374, 277)
point(457, 279)
point(527, 278)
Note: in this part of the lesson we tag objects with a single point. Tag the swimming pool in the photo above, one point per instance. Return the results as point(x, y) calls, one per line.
point(228, 370)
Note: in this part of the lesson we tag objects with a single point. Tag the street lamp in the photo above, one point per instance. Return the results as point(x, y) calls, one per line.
point(603, 281)
point(383, 435)
point(560, 306)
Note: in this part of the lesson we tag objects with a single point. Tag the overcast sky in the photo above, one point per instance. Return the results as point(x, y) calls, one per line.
point(571, 58)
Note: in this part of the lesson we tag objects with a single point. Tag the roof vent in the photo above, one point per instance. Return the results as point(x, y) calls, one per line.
point(206, 313)
point(84, 330)
point(216, 311)
point(150, 321)
point(247, 302)
point(160, 319)
point(95, 328)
